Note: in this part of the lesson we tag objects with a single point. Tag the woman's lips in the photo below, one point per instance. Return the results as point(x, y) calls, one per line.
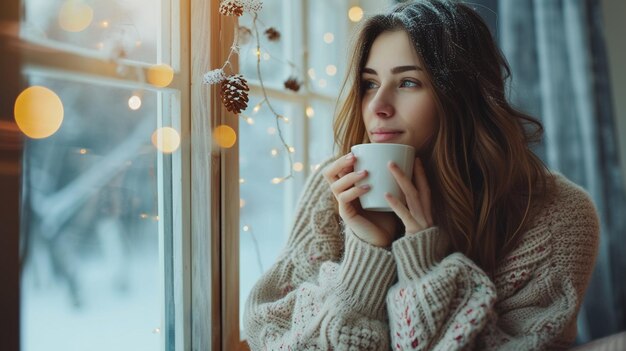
point(384, 136)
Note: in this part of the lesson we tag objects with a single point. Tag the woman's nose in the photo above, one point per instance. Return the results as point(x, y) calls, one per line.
point(381, 104)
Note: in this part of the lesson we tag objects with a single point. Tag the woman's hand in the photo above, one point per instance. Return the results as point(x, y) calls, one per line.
point(379, 228)
point(416, 215)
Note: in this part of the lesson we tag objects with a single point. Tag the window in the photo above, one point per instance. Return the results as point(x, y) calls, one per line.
point(105, 227)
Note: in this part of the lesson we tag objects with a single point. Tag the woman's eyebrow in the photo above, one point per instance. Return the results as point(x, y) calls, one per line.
point(395, 70)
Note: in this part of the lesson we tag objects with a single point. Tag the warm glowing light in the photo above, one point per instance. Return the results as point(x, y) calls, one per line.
point(249, 120)
point(329, 38)
point(277, 180)
point(242, 203)
point(285, 119)
point(241, 180)
point(75, 16)
point(331, 70)
point(82, 151)
point(271, 130)
point(134, 102)
point(298, 166)
point(274, 152)
point(311, 73)
point(38, 112)
point(322, 83)
point(257, 52)
point(160, 75)
point(143, 215)
point(104, 24)
point(310, 112)
point(292, 149)
point(166, 139)
point(246, 228)
point(224, 136)
point(355, 14)
point(155, 218)
point(256, 108)
point(156, 331)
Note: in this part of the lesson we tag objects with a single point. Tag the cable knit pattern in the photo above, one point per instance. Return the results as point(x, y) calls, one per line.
point(331, 290)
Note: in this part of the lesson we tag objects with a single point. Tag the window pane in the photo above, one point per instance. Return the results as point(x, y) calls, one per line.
point(328, 45)
point(320, 132)
point(113, 28)
point(95, 231)
point(263, 204)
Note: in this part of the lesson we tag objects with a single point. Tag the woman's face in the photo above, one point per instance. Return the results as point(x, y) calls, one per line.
point(398, 105)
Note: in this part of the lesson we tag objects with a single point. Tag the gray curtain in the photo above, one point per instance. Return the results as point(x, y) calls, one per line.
point(559, 74)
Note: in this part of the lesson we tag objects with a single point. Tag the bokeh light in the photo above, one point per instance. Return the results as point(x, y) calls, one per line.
point(331, 70)
point(38, 112)
point(298, 166)
point(160, 75)
point(166, 139)
point(329, 38)
point(310, 112)
point(75, 16)
point(224, 136)
point(134, 103)
point(355, 14)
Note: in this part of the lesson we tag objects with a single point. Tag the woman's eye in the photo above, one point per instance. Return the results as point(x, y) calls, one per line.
point(409, 84)
point(368, 84)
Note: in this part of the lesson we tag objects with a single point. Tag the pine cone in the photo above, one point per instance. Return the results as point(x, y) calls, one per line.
point(292, 84)
point(234, 92)
point(231, 8)
point(272, 34)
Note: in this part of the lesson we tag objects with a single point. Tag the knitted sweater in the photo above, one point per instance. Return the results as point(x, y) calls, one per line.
point(331, 290)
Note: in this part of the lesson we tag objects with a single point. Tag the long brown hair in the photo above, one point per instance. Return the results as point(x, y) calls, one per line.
point(486, 183)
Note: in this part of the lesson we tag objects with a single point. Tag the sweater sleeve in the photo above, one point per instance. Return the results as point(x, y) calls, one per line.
point(312, 298)
point(448, 303)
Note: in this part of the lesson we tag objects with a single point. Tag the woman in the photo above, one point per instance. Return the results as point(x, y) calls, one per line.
point(492, 251)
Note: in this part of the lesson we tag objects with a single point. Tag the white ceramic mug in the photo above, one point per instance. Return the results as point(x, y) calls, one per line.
point(374, 157)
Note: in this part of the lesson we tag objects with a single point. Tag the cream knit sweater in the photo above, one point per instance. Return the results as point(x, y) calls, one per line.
point(331, 290)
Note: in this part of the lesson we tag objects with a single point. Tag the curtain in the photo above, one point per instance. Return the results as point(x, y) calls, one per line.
point(560, 75)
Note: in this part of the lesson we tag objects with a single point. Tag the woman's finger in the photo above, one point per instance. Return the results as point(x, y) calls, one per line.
point(347, 181)
point(410, 223)
point(411, 194)
point(423, 189)
point(353, 193)
point(407, 187)
point(331, 172)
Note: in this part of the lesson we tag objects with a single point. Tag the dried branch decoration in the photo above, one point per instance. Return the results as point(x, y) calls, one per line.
point(234, 87)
